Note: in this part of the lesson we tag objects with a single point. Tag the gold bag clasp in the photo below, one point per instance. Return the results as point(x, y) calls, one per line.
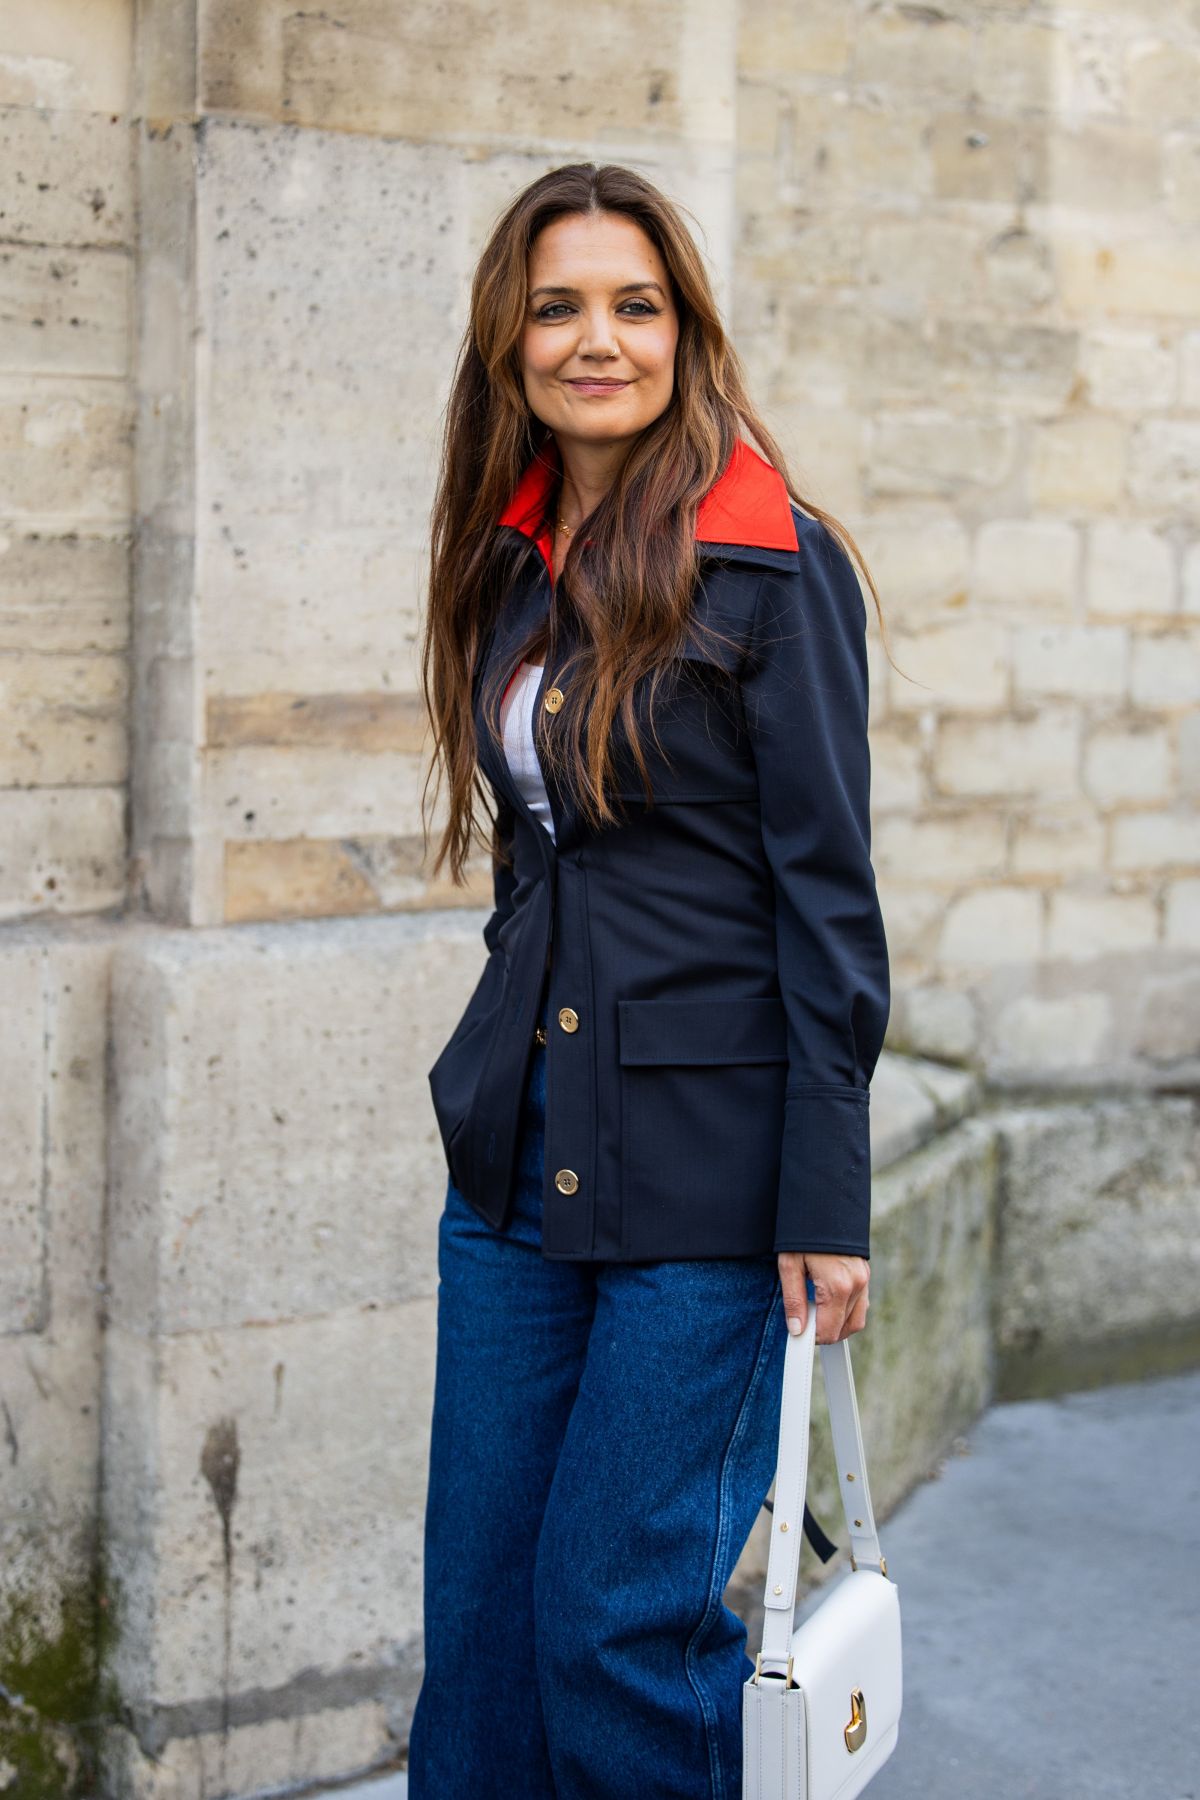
point(855, 1732)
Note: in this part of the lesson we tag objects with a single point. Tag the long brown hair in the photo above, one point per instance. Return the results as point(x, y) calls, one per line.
point(626, 595)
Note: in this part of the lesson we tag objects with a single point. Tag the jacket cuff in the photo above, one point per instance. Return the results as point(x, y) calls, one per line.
point(825, 1180)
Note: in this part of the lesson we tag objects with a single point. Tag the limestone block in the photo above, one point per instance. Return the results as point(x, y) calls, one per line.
point(921, 566)
point(1026, 564)
point(817, 354)
point(1182, 170)
point(64, 312)
point(912, 915)
point(1127, 763)
point(330, 263)
point(896, 780)
point(66, 720)
point(64, 452)
point(1187, 730)
point(777, 44)
point(940, 1021)
point(360, 74)
point(1056, 843)
point(1098, 1234)
point(823, 447)
point(1130, 570)
point(1088, 662)
point(1127, 370)
point(1072, 163)
point(62, 850)
point(1165, 670)
point(76, 176)
point(1155, 840)
point(1022, 65)
point(307, 878)
point(1164, 458)
point(334, 611)
point(1009, 756)
point(1162, 80)
point(914, 261)
point(268, 791)
point(1077, 464)
point(275, 1151)
point(912, 1100)
point(1082, 925)
point(66, 58)
point(1166, 1026)
point(926, 55)
point(962, 355)
point(324, 1744)
point(367, 722)
point(264, 1501)
point(963, 665)
point(67, 593)
point(953, 848)
point(1018, 270)
point(1189, 369)
point(23, 1297)
point(940, 455)
point(52, 1190)
point(992, 925)
point(1034, 1037)
point(888, 151)
point(1107, 272)
point(923, 1366)
point(975, 156)
point(1182, 925)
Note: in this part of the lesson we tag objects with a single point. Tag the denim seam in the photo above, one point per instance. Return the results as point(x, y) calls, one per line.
point(713, 1603)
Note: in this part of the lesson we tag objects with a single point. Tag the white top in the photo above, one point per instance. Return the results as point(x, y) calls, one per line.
point(516, 725)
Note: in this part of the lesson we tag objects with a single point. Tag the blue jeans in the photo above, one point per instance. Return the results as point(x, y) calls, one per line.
point(603, 1437)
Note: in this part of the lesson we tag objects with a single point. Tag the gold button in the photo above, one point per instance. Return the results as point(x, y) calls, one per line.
point(568, 1018)
point(553, 699)
point(566, 1181)
point(539, 1034)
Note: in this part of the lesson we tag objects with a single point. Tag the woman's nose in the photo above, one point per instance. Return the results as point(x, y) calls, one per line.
point(597, 337)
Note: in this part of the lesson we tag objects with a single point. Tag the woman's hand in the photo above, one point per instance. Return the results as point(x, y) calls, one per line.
point(840, 1283)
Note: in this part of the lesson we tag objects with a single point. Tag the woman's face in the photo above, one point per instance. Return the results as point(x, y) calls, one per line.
point(598, 346)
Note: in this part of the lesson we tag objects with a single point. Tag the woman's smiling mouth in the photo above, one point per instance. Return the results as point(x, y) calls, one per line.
point(596, 385)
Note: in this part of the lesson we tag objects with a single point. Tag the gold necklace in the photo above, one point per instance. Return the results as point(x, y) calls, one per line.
point(567, 528)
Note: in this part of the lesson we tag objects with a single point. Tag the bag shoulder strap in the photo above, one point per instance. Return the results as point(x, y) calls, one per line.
point(791, 1479)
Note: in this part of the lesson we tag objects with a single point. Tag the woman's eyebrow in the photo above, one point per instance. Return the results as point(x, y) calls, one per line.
point(630, 287)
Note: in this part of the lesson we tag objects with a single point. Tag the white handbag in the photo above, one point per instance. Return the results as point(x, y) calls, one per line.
point(821, 1713)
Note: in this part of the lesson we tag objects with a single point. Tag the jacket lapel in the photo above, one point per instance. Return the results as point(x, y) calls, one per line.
point(745, 519)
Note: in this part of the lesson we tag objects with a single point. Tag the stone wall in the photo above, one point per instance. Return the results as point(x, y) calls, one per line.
point(958, 248)
point(969, 287)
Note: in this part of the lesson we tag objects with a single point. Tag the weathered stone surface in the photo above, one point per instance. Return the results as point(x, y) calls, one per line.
point(68, 593)
point(1099, 1209)
point(275, 1150)
point(62, 850)
point(76, 176)
point(264, 1522)
point(65, 58)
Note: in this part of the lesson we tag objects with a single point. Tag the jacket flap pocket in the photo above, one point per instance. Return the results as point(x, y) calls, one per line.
point(703, 1031)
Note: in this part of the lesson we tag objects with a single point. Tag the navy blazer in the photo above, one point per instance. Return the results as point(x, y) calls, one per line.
point(718, 970)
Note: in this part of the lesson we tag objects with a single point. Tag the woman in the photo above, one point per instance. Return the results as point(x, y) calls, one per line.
point(651, 667)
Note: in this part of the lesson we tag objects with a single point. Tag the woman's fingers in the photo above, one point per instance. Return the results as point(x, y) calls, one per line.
point(795, 1295)
point(840, 1284)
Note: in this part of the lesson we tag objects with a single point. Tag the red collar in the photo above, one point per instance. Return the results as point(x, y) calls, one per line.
point(747, 505)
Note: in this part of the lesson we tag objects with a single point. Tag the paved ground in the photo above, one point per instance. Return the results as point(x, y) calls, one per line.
point(1050, 1596)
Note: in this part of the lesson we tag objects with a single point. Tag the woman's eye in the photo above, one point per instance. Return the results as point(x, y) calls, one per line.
point(556, 308)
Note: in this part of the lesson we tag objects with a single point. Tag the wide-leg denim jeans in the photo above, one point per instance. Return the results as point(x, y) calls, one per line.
point(603, 1437)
